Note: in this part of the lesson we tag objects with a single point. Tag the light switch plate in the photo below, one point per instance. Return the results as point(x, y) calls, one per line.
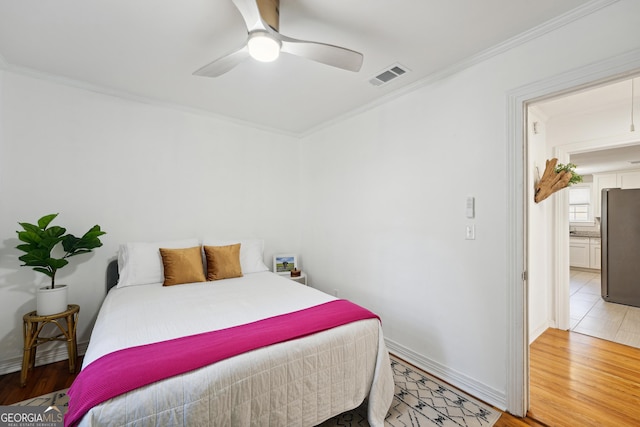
point(471, 207)
point(471, 232)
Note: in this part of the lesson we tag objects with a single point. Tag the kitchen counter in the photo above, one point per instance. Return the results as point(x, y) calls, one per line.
point(584, 234)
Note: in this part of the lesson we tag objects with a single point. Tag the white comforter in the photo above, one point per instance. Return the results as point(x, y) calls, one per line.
point(301, 382)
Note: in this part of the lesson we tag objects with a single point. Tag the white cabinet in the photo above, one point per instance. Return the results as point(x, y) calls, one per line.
point(579, 252)
point(627, 179)
point(595, 250)
point(600, 181)
point(584, 252)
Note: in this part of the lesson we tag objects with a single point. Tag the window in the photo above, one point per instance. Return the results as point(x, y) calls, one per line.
point(580, 204)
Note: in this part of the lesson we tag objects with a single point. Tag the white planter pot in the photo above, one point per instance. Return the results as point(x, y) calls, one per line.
point(51, 301)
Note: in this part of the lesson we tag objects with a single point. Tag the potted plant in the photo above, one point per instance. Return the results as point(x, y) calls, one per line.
point(39, 242)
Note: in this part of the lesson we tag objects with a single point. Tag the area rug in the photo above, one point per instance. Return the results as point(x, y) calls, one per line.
point(420, 400)
point(57, 398)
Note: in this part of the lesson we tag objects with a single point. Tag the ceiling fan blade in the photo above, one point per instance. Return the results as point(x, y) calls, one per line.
point(224, 63)
point(328, 54)
point(250, 13)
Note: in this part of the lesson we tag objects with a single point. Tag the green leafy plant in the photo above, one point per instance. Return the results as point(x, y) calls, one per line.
point(569, 167)
point(40, 240)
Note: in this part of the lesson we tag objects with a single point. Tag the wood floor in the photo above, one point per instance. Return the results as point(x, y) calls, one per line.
point(41, 380)
point(576, 380)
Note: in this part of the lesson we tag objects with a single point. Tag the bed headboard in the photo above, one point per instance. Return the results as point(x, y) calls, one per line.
point(112, 274)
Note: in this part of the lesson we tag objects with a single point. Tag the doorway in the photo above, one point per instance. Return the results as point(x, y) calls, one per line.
point(519, 194)
point(562, 215)
point(604, 112)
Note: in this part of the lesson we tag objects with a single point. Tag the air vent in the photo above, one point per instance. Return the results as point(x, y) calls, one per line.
point(635, 162)
point(389, 74)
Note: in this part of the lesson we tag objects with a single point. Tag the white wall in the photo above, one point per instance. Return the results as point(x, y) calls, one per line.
point(384, 196)
point(540, 224)
point(142, 172)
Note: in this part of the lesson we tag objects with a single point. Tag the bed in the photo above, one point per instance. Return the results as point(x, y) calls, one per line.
point(300, 380)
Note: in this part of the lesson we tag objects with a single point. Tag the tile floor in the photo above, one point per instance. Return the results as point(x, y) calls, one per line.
point(591, 315)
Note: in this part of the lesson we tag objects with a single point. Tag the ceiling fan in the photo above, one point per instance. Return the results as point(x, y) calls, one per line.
point(264, 42)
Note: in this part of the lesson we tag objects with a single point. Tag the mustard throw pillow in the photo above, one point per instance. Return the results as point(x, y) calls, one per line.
point(182, 265)
point(223, 262)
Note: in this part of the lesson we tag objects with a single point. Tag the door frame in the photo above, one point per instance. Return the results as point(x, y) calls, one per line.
point(518, 198)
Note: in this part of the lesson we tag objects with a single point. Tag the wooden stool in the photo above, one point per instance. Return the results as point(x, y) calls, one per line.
point(32, 327)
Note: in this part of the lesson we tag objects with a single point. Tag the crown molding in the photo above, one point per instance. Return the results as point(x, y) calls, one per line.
point(520, 39)
point(103, 90)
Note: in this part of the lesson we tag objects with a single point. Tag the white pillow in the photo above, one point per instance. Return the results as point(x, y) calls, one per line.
point(251, 258)
point(141, 263)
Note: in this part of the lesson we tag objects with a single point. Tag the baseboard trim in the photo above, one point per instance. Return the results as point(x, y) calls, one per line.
point(535, 333)
point(43, 357)
point(466, 384)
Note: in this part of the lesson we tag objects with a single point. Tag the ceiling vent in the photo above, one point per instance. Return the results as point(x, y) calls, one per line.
point(389, 74)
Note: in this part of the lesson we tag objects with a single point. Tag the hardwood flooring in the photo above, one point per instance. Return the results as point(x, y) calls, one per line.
point(41, 380)
point(576, 380)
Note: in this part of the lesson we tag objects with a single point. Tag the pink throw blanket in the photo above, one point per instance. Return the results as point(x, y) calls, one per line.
point(125, 370)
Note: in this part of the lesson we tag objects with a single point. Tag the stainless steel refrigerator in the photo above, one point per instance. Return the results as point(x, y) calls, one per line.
point(620, 230)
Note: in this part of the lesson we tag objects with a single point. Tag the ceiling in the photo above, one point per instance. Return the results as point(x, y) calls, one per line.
point(592, 100)
point(149, 49)
point(612, 159)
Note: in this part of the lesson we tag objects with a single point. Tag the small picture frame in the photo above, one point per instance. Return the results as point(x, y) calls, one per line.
point(284, 263)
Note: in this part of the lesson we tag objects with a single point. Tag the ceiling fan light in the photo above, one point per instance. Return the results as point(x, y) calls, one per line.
point(263, 47)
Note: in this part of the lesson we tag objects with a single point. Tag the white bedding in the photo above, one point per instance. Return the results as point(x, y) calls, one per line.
point(301, 382)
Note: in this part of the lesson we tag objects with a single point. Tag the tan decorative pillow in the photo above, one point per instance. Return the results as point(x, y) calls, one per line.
point(182, 265)
point(223, 262)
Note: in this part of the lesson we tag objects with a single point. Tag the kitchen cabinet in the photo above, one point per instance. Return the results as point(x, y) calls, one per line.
point(579, 252)
point(627, 179)
point(595, 253)
point(600, 181)
point(585, 252)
